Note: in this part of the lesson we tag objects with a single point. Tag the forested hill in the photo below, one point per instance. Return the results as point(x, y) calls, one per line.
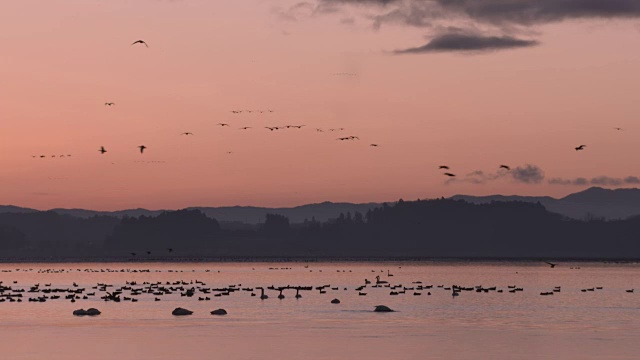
point(426, 228)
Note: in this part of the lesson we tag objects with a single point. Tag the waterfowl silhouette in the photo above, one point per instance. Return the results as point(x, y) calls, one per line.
point(102, 150)
point(581, 147)
point(142, 147)
point(140, 42)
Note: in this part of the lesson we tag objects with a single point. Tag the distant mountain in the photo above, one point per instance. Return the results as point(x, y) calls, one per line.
point(246, 214)
point(593, 202)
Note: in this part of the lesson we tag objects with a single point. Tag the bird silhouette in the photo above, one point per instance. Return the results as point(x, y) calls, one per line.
point(319, 130)
point(223, 124)
point(552, 265)
point(617, 128)
point(140, 42)
point(133, 254)
point(170, 249)
point(271, 128)
point(245, 128)
point(109, 104)
point(374, 145)
point(148, 252)
point(102, 150)
point(505, 167)
point(449, 174)
point(445, 167)
point(581, 147)
point(142, 147)
point(187, 133)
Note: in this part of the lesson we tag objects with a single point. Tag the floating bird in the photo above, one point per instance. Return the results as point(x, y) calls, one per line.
point(187, 133)
point(294, 126)
point(109, 104)
point(449, 174)
point(223, 124)
point(142, 147)
point(140, 42)
point(271, 128)
point(552, 265)
point(245, 128)
point(102, 150)
point(319, 130)
point(374, 145)
point(445, 167)
point(581, 147)
point(505, 167)
point(617, 128)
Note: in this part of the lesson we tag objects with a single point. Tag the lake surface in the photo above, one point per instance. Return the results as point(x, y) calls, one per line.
point(570, 324)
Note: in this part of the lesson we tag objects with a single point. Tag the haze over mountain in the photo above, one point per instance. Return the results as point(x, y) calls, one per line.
point(246, 214)
point(594, 202)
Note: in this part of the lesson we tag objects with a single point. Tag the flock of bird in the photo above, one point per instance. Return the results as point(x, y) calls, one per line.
point(132, 291)
point(103, 150)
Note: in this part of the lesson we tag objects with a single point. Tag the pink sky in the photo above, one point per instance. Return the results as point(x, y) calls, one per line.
point(62, 60)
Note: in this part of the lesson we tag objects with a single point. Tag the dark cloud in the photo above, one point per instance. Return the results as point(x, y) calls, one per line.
point(528, 12)
point(498, 23)
point(528, 174)
point(468, 43)
point(599, 180)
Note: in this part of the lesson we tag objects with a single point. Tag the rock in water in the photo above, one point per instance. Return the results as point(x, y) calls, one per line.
point(219, 312)
point(335, 301)
point(181, 311)
point(90, 312)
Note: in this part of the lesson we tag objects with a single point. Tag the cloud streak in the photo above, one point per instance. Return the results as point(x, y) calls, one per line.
point(468, 43)
point(599, 181)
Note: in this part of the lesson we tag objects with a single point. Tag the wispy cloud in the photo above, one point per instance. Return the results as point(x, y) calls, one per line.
point(525, 174)
point(599, 180)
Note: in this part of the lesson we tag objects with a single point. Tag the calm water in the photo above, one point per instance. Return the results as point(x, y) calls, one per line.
point(568, 325)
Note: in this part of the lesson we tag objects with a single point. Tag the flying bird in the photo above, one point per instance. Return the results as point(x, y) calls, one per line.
point(245, 128)
point(581, 147)
point(445, 167)
point(223, 124)
point(449, 174)
point(102, 150)
point(142, 147)
point(187, 133)
point(505, 167)
point(140, 42)
point(374, 145)
point(552, 265)
point(109, 104)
